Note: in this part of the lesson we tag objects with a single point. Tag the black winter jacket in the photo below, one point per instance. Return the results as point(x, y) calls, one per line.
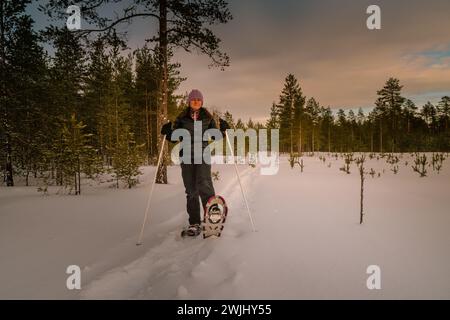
point(184, 121)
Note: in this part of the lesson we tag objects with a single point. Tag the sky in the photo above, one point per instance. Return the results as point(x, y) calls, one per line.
point(326, 45)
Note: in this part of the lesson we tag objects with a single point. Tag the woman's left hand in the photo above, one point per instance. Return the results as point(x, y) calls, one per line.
point(223, 125)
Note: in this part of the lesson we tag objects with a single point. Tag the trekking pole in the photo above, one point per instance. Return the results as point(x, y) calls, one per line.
point(239, 179)
point(151, 193)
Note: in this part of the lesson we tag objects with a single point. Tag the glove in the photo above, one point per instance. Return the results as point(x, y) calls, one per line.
point(223, 125)
point(167, 129)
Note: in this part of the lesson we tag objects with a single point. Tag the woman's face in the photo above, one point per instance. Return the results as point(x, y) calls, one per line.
point(196, 104)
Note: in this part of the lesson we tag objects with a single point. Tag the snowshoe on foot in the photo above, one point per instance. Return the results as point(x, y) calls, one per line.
point(215, 216)
point(192, 231)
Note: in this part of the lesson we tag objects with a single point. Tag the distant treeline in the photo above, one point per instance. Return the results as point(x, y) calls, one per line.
point(395, 124)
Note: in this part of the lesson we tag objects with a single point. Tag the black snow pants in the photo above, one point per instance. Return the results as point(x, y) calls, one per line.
point(198, 183)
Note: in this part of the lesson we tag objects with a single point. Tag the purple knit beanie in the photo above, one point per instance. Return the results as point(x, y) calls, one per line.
point(195, 94)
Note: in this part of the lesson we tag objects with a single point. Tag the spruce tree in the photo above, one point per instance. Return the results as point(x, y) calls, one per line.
point(12, 15)
point(273, 122)
point(67, 73)
point(228, 117)
point(74, 154)
point(443, 112)
point(328, 121)
point(428, 114)
point(409, 111)
point(313, 112)
point(290, 113)
point(360, 127)
point(380, 114)
point(342, 125)
point(391, 101)
point(126, 158)
point(98, 94)
point(351, 120)
point(27, 82)
point(146, 100)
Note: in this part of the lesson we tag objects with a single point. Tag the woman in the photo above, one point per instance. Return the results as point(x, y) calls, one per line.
point(196, 176)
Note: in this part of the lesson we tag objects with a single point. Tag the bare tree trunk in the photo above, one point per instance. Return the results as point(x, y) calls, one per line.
point(292, 144)
point(381, 137)
point(161, 176)
point(351, 130)
point(371, 141)
point(79, 176)
point(8, 149)
point(117, 121)
point(9, 167)
point(74, 183)
point(408, 124)
point(318, 136)
point(394, 129)
point(361, 173)
point(147, 123)
point(300, 139)
point(292, 125)
point(153, 135)
point(329, 138)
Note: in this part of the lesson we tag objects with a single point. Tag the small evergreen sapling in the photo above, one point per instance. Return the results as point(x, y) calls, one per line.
point(420, 164)
point(126, 156)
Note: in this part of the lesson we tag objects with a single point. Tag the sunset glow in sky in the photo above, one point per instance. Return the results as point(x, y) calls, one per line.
point(327, 46)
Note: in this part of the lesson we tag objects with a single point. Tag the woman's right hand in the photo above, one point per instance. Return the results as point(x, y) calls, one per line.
point(166, 129)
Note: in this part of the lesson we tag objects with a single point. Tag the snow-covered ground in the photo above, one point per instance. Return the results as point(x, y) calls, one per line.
point(308, 243)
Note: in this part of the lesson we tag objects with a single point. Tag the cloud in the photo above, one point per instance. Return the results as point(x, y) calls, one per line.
point(327, 46)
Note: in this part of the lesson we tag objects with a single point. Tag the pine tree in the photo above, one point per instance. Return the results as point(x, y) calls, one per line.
point(290, 112)
point(360, 120)
point(342, 125)
point(122, 92)
point(250, 124)
point(12, 18)
point(67, 73)
point(146, 104)
point(126, 158)
point(328, 120)
point(228, 117)
point(115, 108)
point(240, 124)
point(313, 112)
point(27, 82)
point(351, 120)
point(372, 121)
point(443, 111)
point(409, 110)
point(391, 101)
point(428, 113)
point(380, 114)
point(273, 122)
point(98, 95)
point(74, 154)
point(146, 99)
